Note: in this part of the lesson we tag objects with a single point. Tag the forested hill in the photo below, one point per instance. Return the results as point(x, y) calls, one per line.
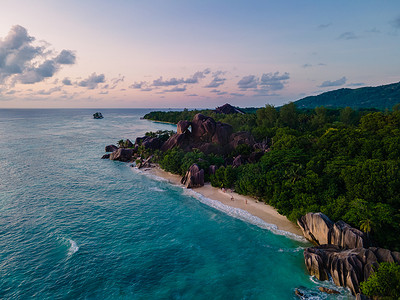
point(381, 97)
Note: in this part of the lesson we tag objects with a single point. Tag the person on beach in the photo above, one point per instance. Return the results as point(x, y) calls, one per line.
point(232, 198)
point(246, 201)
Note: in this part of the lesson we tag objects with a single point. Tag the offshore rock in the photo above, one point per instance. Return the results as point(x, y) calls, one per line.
point(122, 154)
point(106, 156)
point(111, 148)
point(194, 177)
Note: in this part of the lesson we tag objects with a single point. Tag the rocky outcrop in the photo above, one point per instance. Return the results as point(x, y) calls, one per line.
point(346, 267)
point(194, 177)
point(106, 156)
point(181, 140)
point(111, 148)
point(122, 154)
point(342, 252)
point(242, 137)
point(152, 143)
point(319, 229)
point(182, 126)
point(206, 135)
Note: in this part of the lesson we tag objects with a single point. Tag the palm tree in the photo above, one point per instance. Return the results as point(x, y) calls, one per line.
point(366, 226)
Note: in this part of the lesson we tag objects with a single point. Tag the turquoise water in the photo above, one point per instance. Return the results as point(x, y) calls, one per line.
point(73, 226)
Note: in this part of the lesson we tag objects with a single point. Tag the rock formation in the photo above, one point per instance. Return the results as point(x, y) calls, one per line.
point(319, 229)
point(194, 177)
point(206, 135)
point(122, 154)
point(111, 148)
point(341, 253)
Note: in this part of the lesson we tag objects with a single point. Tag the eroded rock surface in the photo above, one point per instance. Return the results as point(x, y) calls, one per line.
point(194, 177)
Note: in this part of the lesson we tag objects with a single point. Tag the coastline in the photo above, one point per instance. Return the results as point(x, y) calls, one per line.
point(259, 209)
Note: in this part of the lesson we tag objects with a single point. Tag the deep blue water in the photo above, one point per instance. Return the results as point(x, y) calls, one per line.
point(73, 226)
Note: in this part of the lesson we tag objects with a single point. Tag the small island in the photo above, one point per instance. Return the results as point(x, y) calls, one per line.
point(97, 115)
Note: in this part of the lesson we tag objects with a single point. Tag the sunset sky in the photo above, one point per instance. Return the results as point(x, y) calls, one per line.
point(194, 54)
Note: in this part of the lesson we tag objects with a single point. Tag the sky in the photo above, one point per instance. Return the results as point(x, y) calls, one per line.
point(192, 54)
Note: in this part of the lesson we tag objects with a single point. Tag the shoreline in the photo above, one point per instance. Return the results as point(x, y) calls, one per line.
point(256, 208)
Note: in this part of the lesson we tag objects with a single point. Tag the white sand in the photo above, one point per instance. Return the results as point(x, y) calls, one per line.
point(259, 209)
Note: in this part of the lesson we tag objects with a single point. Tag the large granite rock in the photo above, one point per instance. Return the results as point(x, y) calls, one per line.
point(152, 143)
point(222, 133)
point(319, 229)
point(316, 227)
point(194, 177)
point(122, 154)
point(181, 140)
point(203, 128)
point(111, 148)
point(347, 267)
point(342, 252)
point(242, 137)
point(182, 126)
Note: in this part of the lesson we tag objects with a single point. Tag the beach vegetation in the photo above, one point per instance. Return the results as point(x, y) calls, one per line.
point(342, 162)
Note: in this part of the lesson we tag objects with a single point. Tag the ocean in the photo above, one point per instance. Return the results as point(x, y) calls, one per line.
point(74, 226)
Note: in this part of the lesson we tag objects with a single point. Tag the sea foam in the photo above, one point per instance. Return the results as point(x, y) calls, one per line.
point(229, 210)
point(73, 248)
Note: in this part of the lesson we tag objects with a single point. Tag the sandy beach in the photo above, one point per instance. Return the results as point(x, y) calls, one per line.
point(259, 209)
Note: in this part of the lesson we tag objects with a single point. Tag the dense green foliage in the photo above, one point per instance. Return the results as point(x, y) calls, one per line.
point(344, 163)
point(385, 96)
point(240, 122)
point(384, 282)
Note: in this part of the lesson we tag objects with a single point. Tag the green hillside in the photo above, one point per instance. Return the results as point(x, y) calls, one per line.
point(381, 97)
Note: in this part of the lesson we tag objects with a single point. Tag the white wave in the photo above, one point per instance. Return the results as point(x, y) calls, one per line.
point(73, 248)
point(156, 189)
point(242, 215)
point(230, 211)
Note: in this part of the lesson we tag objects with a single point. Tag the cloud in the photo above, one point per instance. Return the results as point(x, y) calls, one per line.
point(92, 81)
point(137, 85)
point(338, 82)
point(66, 57)
point(237, 94)
point(216, 81)
point(349, 35)
point(356, 84)
point(22, 61)
point(274, 81)
point(193, 95)
point(396, 22)
point(174, 81)
point(50, 91)
point(248, 82)
point(176, 89)
point(323, 26)
point(307, 66)
point(222, 93)
point(215, 91)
